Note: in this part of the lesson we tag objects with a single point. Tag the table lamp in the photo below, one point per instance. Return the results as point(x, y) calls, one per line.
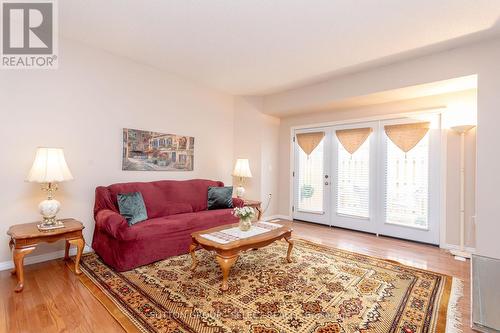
point(49, 168)
point(241, 170)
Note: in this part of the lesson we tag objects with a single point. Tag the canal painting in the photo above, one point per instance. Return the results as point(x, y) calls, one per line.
point(152, 151)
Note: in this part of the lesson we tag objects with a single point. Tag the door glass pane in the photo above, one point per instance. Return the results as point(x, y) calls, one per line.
point(353, 181)
point(310, 181)
point(407, 188)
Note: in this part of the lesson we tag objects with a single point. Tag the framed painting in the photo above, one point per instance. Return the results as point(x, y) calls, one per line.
point(152, 151)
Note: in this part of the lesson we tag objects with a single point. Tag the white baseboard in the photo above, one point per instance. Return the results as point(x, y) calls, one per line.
point(42, 257)
point(275, 217)
point(447, 246)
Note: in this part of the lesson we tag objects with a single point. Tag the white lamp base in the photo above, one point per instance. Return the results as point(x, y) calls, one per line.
point(45, 227)
point(240, 191)
point(49, 209)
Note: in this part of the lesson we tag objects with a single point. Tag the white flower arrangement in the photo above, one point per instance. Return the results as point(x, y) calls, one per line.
point(244, 213)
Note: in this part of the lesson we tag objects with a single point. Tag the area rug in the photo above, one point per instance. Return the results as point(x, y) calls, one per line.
point(323, 290)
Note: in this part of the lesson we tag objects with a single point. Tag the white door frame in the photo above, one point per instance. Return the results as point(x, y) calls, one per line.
point(424, 112)
point(345, 221)
point(434, 205)
point(325, 216)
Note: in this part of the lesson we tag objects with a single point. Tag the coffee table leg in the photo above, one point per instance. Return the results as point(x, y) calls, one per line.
point(225, 265)
point(192, 249)
point(290, 248)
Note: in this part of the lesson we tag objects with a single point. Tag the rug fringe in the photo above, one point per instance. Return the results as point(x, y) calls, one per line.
point(454, 318)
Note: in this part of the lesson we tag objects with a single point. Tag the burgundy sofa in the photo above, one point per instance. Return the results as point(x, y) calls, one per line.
point(175, 210)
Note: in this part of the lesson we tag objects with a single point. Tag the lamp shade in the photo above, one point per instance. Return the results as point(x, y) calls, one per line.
point(242, 168)
point(49, 166)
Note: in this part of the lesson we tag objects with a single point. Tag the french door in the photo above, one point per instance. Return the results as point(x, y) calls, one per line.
point(376, 187)
point(410, 187)
point(312, 180)
point(353, 184)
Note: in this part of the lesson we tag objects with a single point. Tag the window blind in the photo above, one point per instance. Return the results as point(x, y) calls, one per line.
point(353, 181)
point(407, 188)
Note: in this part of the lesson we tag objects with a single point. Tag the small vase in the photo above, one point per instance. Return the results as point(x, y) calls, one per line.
point(245, 224)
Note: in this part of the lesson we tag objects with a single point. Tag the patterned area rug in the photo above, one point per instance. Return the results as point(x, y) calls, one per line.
point(324, 290)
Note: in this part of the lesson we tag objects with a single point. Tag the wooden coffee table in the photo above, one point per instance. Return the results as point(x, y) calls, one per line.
point(227, 253)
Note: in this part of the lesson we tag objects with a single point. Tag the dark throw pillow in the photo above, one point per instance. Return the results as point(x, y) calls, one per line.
point(132, 208)
point(220, 197)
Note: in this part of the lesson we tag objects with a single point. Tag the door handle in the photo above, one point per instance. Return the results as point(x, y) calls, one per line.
point(326, 183)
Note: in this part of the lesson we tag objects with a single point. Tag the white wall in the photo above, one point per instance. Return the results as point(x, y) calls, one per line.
point(256, 138)
point(269, 191)
point(480, 58)
point(83, 106)
point(452, 232)
point(247, 142)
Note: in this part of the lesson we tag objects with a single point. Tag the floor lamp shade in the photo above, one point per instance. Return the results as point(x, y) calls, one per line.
point(49, 167)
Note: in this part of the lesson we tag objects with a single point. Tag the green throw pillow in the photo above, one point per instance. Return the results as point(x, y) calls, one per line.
point(132, 208)
point(220, 197)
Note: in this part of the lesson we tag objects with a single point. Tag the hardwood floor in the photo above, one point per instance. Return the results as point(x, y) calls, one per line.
point(54, 300)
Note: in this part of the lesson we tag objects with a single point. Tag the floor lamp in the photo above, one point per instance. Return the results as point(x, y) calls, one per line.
point(461, 254)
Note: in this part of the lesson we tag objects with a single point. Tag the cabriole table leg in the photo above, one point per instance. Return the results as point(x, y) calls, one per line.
point(192, 249)
point(225, 265)
point(18, 256)
point(80, 244)
point(290, 248)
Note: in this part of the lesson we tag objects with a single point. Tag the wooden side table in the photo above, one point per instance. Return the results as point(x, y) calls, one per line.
point(25, 237)
point(255, 205)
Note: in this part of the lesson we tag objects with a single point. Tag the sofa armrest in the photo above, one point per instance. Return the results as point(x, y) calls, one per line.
point(111, 222)
point(237, 202)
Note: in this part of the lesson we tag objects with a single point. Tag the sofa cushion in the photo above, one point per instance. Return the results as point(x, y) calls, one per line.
point(209, 218)
point(168, 197)
point(164, 227)
point(220, 197)
point(131, 206)
point(173, 208)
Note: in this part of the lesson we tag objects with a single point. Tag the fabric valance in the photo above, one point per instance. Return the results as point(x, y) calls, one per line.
point(407, 136)
point(309, 141)
point(353, 138)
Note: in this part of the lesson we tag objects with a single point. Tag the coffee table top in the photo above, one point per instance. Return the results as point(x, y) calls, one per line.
point(241, 239)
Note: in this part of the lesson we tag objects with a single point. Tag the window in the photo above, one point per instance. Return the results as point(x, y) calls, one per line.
point(353, 181)
point(407, 188)
point(310, 180)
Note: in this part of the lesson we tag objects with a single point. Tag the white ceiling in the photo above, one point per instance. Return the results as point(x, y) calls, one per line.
point(248, 47)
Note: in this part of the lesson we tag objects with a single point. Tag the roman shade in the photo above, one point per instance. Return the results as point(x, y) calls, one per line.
point(309, 141)
point(352, 139)
point(407, 136)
